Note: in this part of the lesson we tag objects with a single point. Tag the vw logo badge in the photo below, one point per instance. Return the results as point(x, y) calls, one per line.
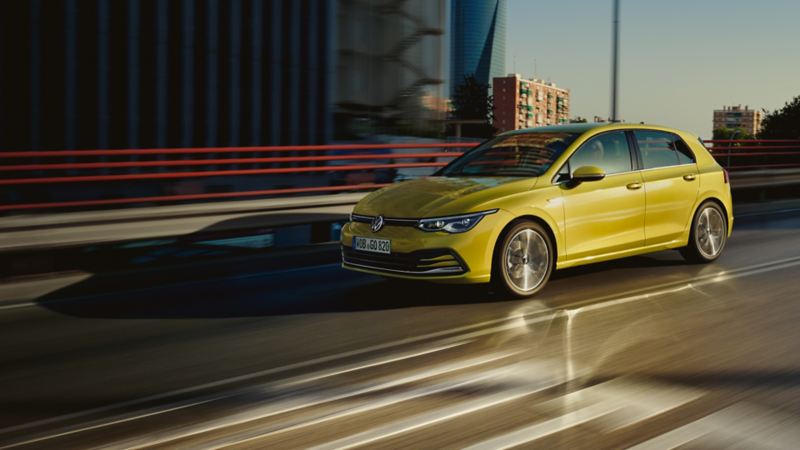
point(377, 224)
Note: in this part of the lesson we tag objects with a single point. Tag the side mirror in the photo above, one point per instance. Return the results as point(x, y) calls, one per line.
point(588, 173)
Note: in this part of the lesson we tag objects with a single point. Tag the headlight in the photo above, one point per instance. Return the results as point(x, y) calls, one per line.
point(453, 224)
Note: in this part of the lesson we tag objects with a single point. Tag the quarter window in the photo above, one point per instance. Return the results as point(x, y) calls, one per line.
point(608, 151)
point(685, 155)
point(660, 149)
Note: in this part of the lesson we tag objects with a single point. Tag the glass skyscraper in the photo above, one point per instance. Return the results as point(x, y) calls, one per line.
point(478, 41)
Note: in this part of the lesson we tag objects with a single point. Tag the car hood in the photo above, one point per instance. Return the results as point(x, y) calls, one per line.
point(440, 196)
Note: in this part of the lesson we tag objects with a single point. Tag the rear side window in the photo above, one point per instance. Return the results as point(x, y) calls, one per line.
point(661, 149)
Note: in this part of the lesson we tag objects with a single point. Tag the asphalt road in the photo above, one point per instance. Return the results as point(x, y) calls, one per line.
point(646, 351)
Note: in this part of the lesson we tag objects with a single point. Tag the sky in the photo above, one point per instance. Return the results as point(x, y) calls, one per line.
point(679, 59)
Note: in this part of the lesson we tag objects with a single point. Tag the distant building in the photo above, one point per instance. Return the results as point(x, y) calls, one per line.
point(521, 103)
point(736, 117)
point(478, 41)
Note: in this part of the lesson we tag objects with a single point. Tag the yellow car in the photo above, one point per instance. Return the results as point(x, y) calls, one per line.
point(514, 208)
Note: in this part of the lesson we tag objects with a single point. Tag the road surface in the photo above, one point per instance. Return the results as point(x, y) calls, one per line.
point(647, 352)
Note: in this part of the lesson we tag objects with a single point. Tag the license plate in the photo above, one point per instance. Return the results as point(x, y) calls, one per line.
point(372, 245)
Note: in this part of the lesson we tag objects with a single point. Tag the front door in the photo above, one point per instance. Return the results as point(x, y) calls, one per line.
point(608, 215)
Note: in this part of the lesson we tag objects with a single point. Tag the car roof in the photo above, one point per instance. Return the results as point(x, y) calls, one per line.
point(566, 128)
point(585, 127)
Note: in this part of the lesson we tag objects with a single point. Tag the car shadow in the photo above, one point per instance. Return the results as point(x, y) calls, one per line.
point(315, 290)
point(223, 299)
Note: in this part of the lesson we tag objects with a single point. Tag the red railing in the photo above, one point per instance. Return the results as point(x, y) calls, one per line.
point(30, 169)
point(50, 169)
point(752, 154)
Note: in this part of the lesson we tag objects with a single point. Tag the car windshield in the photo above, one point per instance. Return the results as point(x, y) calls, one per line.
point(519, 155)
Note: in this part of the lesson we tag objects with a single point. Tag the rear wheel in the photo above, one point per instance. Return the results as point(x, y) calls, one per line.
point(709, 234)
point(523, 259)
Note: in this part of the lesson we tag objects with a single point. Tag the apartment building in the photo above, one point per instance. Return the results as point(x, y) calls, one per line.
point(736, 117)
point(521, 103)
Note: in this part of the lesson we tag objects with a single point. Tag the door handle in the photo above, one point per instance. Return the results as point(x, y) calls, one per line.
point(634, 186)
point(689, 177)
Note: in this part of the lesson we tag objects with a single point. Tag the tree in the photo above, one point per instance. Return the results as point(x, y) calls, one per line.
point(472, 101)
point(731, 133)
point(783, 123)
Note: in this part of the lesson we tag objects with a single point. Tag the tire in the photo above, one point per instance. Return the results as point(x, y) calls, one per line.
point(708, 235)
point(523, 259)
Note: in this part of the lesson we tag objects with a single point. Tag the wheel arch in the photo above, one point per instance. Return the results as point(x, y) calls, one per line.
point(710, 197)
point(718, 202)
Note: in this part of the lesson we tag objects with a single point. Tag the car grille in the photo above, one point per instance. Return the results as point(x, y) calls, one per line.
point(386, 220)
point(420, 262)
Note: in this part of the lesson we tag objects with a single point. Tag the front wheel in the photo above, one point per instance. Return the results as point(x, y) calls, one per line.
point(708, 236)
point(523, 259)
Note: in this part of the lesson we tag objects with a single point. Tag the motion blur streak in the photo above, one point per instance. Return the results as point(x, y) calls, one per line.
point(609, 398)
point(644, 351)
point(300, 399)
point(719, 428)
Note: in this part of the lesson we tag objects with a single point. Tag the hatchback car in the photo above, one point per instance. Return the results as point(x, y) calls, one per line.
point(518, 206)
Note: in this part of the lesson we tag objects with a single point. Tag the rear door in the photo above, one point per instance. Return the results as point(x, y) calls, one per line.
point(670, 184)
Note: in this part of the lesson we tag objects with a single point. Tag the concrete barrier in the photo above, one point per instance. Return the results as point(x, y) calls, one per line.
point(58, 230)
point(759, 179)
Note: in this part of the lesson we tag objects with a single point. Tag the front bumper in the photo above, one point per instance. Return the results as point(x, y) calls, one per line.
point(437, 256)
point(423, 263)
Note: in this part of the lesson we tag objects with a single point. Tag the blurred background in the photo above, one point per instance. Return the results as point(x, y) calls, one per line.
point(148, 74)
point(174, 175)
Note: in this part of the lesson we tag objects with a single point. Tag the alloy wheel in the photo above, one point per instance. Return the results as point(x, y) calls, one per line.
point(526, 260)
point(710, 232)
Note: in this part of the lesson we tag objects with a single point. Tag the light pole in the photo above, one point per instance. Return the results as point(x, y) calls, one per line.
point(615, 63)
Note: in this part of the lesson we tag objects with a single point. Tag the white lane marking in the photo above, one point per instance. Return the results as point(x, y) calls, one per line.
point(301, 400)
point(508, 323)
point(743, 422)
point(635, 402)
point(648, 394)
point(431, 418)
point(144, 415)
point(20, 292)
point(766, 213)
point(643, 400)
point(546, 428)
point(693, 282)
point(264, 432)
point(374, 363)
point(675, 438)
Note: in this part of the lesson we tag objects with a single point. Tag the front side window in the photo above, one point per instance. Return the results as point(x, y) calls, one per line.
point(519, 155)
point(661, 149)
point(608, 151)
